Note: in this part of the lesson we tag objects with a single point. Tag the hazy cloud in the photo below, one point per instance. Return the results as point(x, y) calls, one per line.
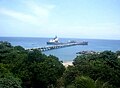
point(37, 13)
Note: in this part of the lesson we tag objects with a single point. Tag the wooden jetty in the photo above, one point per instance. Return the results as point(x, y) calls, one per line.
point(47, 48)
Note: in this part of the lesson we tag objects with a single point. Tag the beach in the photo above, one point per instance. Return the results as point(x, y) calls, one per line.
point(66, 64)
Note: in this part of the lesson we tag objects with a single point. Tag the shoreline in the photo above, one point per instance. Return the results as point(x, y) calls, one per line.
point(66, 64)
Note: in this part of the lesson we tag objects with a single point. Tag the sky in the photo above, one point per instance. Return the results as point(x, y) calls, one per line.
point(91, 19)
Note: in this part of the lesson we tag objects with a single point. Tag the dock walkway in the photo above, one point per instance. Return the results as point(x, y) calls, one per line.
point(46, 48)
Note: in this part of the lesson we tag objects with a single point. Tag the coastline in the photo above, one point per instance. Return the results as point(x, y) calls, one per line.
point(66, 64)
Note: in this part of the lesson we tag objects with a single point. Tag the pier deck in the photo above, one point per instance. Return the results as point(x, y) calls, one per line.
point(46, 48)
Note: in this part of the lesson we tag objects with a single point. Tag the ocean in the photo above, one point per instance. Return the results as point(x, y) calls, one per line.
point(67, 53)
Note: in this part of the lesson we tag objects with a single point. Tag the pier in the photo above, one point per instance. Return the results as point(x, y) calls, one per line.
point(47, 48)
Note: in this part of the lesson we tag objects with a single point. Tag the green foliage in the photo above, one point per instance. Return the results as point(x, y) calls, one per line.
point(60, 83)
point(69, 75)
point(7, 80)
point(104, 66)
point(19, 48)
point(35, 69)
point(35, 56)
point(84, 82)
point(101, 84)
point(70, 86)
point(46, 72)
point(10, 82)
point(5, 44)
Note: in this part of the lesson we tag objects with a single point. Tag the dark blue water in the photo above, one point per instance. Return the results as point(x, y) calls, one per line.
point(68, 53)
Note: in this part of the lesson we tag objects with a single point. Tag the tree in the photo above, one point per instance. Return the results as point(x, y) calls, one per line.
point(69, 75)
point(84, 82)
point(40, 70)
point(31, 66)
point(7, 80)
point(104, 66)
point(46, 73)
point(10, 82)
point(118, 53)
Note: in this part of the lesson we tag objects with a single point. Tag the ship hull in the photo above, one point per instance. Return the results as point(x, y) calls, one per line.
point(53, 43)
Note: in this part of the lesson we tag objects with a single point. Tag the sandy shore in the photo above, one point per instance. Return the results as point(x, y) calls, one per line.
point(67, 63)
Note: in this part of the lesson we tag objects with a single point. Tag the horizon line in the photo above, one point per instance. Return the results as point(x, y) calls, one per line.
point(59, 37)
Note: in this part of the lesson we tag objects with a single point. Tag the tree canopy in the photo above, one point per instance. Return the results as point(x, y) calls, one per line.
point(32, 67)
point(20, 68)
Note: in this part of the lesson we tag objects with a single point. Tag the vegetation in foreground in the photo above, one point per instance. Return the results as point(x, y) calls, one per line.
point(20, 68)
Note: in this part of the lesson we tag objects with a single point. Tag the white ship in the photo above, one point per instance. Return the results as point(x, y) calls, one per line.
point(54, 41)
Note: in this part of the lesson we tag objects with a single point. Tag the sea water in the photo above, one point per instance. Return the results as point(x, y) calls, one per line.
point(67, 53)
